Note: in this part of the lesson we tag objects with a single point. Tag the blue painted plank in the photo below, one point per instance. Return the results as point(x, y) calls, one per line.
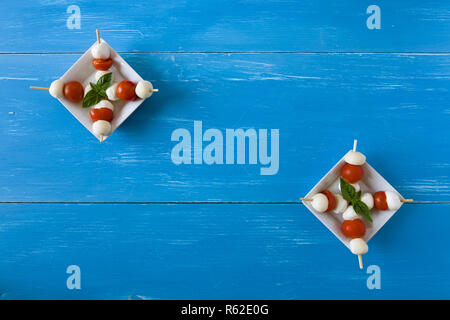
point(214, 252)
point(396, 105)
point(221, 25)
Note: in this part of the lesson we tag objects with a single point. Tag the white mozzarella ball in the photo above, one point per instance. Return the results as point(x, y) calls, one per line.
point(358, 246)
point(101, 73)
point(111, 92)
point(367, 198)
point(144, 89)
point(56, 89)
point(104, 104)
point(341, 204)
point(87, 89)
point(320, 202)
point(350, 214)
point(101, 128)
point(355, 185)
point(355, 158)
point(100, 51)
point(393, 201)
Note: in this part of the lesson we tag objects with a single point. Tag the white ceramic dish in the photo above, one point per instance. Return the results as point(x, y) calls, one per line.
point(83, 71)
point(371, 182)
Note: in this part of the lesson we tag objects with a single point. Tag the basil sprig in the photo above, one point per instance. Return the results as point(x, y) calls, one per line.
point(98, 91)
point(354, 198)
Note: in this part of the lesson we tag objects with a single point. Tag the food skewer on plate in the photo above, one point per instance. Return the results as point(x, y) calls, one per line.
point(72, 90)
point(100, 94)
point(351, 206)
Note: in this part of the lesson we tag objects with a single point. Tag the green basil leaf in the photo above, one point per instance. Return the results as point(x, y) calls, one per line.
point(103, 94)
point(105, 81)
point(106, 86)
point(358, 195)
point(347, 190)
point(95, 87)
point(362, 209)
point(91, 98)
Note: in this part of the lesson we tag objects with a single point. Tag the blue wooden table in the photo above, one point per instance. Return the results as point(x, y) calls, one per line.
point(139, 225)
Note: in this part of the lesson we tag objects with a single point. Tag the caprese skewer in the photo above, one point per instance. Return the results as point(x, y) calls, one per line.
point(102, 115)
point(72, 90)
point(354, 205)
point(99, 95)
point(388, 200)
point(101, 55)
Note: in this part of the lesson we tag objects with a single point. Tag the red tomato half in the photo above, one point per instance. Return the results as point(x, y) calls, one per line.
point(351, 173)
point(331, 200)
point(379, 200)
point(101, 114)
point(126, 90)
point(73, 91)
point(102, 64)
point(353, 228)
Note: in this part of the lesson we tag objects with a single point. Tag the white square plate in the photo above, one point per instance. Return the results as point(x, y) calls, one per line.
point(371, 182)
point(83, 71)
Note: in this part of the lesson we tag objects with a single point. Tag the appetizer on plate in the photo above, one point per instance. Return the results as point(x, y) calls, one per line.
point(101, 90)
point(348, 201)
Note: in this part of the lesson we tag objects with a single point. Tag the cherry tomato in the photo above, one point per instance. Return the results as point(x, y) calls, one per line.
point(379, 200)
point(331, 200)
point(351, 173)
point(102, 64)
point(73, 91)
point(353, 228)
point(126, 90)
point(101, 114)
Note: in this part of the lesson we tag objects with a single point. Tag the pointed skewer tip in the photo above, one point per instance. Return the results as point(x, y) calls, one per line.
point(39, 88)
point(355, 143)
point(360, 262)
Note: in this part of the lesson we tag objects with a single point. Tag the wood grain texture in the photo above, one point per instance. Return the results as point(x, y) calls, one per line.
point(396, 105)
point(213, 252)
point(223, 25)
point(311, 69)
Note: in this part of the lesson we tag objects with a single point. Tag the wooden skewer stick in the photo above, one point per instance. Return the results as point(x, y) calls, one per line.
point(101, 138)
point(355, 142)
point(306, 199)
point(98, 35)
point(39, 88)
point(407, 200)
point(154, 90)
point(360, 262)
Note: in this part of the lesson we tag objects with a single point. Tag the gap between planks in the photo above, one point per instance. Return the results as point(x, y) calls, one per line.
point(183, 202)
point(242, 52)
